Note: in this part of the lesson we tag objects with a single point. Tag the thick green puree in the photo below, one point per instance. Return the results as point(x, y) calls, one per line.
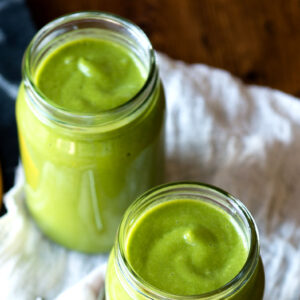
point(80, 179)
point(186, 247)
point(90, 75)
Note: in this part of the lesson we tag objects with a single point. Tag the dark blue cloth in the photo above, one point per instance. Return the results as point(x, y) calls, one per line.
point(16, 31)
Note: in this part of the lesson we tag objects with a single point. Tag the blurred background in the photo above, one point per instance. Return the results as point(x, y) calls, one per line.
point(257, 40)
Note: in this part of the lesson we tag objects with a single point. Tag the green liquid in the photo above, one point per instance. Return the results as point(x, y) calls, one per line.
point(90, 75)
point(186, 247)
point(78, 185)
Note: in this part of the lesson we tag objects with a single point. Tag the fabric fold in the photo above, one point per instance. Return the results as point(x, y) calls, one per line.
point(244, 139)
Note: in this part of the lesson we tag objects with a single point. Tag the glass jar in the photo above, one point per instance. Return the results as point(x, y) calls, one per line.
point(122, 282)
point(84, 169)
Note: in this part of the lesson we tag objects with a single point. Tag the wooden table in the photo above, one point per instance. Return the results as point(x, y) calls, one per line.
point(257, 40)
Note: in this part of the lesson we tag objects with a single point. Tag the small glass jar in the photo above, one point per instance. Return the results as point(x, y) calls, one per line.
point(84, 169)
point(122, 282)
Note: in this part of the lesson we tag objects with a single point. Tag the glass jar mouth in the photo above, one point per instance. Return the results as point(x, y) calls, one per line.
point(73, 22)
point(187, 188)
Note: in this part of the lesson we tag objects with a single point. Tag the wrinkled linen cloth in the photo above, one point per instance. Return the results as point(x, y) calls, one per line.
point(244, 139)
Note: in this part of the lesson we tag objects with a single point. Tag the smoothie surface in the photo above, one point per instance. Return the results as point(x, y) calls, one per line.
point(186, 247)
point(90, 75)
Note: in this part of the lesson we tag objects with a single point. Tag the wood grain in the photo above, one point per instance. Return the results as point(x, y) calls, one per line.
point(257, 40)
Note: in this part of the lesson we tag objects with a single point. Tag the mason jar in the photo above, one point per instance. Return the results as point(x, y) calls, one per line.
point(83, 169)
point(123, 281)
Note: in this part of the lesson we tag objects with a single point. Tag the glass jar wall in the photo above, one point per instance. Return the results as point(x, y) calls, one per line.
point(83, 168)
point(198, 246)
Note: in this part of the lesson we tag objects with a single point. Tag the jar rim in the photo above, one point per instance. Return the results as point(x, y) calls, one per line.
point(146, 289)
point(69, 118)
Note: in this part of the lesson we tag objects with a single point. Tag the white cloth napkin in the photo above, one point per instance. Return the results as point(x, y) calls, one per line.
point(244, 139)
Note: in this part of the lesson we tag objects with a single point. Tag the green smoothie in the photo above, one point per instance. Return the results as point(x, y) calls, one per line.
point(185, 241)
point(186, 247)
point(90, 75)
point(80, 179)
